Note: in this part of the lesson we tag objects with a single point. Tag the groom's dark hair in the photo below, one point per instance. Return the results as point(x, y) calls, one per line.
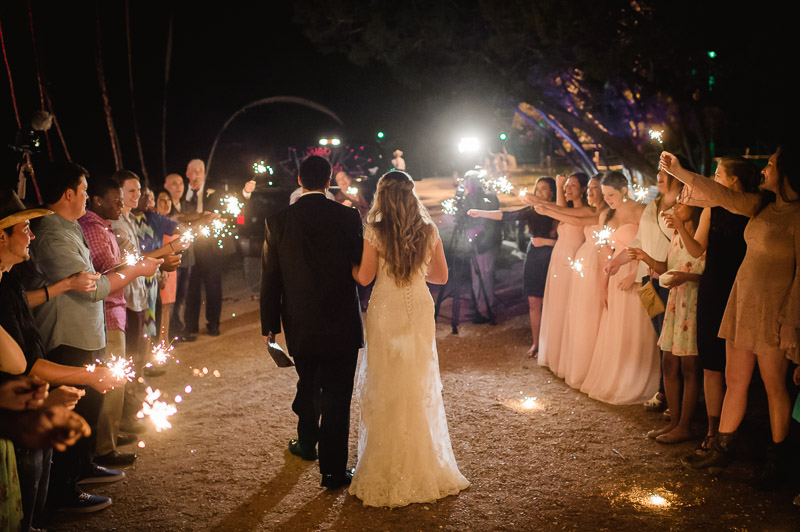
point(315, 171)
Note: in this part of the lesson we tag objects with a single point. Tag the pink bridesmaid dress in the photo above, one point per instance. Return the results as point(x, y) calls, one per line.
point(585, 307)
point(625, 366)
point(556, 292)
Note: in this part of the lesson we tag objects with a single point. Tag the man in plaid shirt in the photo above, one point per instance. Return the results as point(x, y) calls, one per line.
point(105, 205)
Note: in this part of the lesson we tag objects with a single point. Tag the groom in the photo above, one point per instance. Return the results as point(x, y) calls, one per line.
point(309, 253)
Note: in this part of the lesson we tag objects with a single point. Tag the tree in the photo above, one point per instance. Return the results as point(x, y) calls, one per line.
point(601, 73)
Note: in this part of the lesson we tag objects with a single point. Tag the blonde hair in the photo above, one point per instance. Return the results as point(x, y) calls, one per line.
point(402, 224)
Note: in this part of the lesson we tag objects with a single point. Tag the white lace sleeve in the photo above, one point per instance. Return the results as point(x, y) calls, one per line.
point(371, 236)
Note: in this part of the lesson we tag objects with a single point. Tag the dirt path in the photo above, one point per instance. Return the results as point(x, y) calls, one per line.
point(567, 463)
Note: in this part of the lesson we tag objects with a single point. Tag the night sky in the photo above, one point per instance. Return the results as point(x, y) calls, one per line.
point(225, 57)
point(222, 59)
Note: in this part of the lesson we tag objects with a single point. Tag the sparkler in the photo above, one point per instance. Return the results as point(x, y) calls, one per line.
point(157, 411)
point(161, 352)
point(121, 368)
point(187, 236)
point(640, 194)
point(131, 259)
point(501, 184)
point(603, 236)
point(523, 191)
point(656, 135)
point(449, 206)
point(231, 205)
point(205, 231)
point(352, 191)
point(576, 265)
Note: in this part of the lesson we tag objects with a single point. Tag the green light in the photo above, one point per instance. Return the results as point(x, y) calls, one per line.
point(503, 136)
point(712, 54)
point(381, 134)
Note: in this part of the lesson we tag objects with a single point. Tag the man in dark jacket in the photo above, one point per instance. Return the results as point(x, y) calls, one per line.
point(306, 282)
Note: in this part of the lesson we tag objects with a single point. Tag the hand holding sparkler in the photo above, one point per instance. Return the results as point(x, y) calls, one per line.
point(669, 163)
point(250, 186)
point(637, 254)
point(66, 396)
point(22, 393)
point(54, 426)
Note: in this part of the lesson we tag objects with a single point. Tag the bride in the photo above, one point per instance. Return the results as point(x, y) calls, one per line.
point(404, 452)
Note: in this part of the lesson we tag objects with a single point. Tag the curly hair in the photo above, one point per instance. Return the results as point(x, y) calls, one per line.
point(404, 228)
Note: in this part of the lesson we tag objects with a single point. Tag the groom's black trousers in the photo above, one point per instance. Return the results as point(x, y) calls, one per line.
point(324, 390)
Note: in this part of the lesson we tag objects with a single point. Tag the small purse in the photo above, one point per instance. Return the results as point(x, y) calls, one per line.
point(650, 299)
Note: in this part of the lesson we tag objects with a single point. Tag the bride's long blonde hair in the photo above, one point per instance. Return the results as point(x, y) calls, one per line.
point(402, 224)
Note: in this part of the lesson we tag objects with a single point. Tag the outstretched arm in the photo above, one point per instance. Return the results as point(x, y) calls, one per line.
point(580, 216)
point(656, 266)
point(491, 215)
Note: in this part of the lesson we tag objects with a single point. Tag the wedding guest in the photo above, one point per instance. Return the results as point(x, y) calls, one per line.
point(350, 195)
point(72, 325)
point(763, 313)
point(105, 207)
point(720, 235)
point(680, 273)
point(625, 362)
point(584, 304)
point(571, 194)
point(537, 259)
point(485, 236)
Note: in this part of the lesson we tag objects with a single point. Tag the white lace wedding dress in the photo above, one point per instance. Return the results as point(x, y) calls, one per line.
point(404, 451)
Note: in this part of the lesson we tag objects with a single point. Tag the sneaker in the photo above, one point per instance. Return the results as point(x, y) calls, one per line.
point(84, 503)
point(102, 475)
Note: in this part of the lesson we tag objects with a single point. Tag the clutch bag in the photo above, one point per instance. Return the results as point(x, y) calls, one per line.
point(652, 303)
point(279, 356)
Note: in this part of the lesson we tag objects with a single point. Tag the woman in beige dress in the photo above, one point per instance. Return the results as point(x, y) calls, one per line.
point(763, 312)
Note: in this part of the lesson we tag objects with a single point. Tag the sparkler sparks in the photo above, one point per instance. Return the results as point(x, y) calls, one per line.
point(640, 194)
point(352, 191)
point(157, 411)
point(187, 236)
point(501, 184)
point(449, 206)
point(161, 352)
point(205, 231)
point(657, 134)
point(231, 205)
point(121, 368)
point(131, 259)
point(576, 265)
point(523, 191)
point(603, 236)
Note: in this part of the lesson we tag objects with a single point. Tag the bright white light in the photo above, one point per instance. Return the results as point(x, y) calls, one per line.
point(260, 167)
point(529, 403)
point(658, 500)
point(351, 190)
point(336, 142)
point(656, 135)
point(468, 145)
point(323, 142)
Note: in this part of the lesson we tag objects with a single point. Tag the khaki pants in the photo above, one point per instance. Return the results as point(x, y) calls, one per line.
point(111, 414)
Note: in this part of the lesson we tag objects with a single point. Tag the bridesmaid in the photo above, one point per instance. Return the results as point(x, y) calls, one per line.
point(763, 314)
point(625, 362)
point(537, 259)
point(584, 306)
point(571, 193)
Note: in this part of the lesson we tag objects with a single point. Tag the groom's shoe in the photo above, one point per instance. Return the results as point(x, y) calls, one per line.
point(297, 450)
point(333, 482)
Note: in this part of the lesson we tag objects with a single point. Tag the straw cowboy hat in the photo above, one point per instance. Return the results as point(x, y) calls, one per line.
point(12, 211)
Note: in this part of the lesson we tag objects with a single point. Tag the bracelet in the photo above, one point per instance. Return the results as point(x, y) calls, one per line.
point(46, 295)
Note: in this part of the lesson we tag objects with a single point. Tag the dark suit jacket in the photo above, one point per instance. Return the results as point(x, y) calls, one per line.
point(306, 276)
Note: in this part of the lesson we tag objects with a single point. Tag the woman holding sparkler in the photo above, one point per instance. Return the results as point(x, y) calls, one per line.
point(625, 365)
point(584, 304)
point(404, 450)
point(653, 237)
point(762, 318)
point(720, 235)
point(537, 259)
point(681, 274)
point(571, 194)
